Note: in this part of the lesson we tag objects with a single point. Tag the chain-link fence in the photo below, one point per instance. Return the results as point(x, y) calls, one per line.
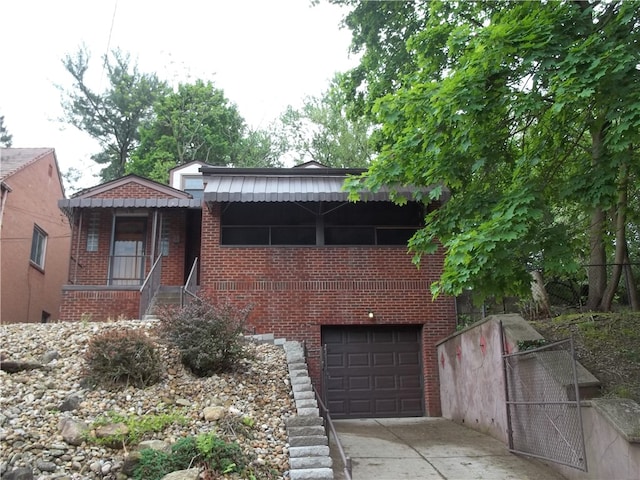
point(543, 404)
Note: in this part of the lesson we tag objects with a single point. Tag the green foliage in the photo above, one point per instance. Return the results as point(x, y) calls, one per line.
point(526, 113)
point(122, 357)
point(208, 335)
point(138, 426)
point(321, 131)
point(113, 116)
point(197, 122)
point(5, 137)
point(205, 449)
point(531, 344)
point(153, 465)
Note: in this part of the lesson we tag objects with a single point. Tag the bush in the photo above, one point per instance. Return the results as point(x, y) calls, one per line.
point(122, 357)
point(204, 450)
point(138, 426)
point(208, 337)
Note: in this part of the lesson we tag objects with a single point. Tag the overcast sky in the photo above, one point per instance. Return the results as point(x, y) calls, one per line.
point(264, 54)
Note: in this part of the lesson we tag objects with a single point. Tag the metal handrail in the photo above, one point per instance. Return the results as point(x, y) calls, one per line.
point(188, 288)
point(150, 286)
point(346, 461)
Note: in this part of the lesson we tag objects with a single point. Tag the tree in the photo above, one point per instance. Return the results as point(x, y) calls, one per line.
point(528, 113)
point(321, 131)
point(113, 116)
point(259, 148)
point(196, 122)
point(6, 138)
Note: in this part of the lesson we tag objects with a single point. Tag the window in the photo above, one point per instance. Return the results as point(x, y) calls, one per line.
point(45, 317)
point(164, 238)
point(194, 186)
point(265, 223)
point(93, 232)
point(320, 223)
point(38, 246)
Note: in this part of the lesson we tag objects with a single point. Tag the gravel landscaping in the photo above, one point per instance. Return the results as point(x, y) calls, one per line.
point(37, 403)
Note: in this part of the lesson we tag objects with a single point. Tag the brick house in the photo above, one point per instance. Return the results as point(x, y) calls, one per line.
point(34, 235)
point(313, 266)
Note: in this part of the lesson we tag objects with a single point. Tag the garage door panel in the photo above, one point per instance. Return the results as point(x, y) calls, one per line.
point(335, 360)
point(383, 359)
point(408, 336)
point(379, 370)
point(385, 382)
point(355, 337)
point(358, 360)
point(336, 383)
point(409, 358)
point(359, 383)
point(409, 381)
point(382, 336)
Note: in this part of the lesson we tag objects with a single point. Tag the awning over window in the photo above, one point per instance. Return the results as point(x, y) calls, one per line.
point(264, 188)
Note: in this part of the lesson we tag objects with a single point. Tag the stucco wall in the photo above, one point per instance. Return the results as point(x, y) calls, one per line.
point(294, 291)
point(25, 290)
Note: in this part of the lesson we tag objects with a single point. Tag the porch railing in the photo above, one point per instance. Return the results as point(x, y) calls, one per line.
point(127, 269)
point(189, 291)
point(150, 286)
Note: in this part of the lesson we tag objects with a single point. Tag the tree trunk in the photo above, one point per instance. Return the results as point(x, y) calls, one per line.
point(632, 287)
point(539, 295)
point(621, 241)
point(597, 268)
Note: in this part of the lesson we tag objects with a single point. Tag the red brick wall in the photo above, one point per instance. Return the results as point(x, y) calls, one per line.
point(99, 305)
point(131, 190)
point(91, 268)
point(296, 290)
point(27, 291)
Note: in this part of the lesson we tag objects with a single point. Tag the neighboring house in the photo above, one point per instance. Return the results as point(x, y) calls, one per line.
point(313, 266)
point(34, 235)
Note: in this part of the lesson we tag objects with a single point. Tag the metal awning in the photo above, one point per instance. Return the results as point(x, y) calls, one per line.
point(69, 203)
point(287, 188)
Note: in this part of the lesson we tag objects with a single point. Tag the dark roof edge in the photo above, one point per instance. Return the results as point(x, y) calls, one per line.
point(274, 172)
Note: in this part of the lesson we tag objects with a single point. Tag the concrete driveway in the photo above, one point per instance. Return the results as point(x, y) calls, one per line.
point(428, 448)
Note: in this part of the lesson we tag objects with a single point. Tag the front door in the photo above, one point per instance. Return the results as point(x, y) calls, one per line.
point(128, 251)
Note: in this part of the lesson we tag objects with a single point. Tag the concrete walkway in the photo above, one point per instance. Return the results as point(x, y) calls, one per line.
point(430, 449)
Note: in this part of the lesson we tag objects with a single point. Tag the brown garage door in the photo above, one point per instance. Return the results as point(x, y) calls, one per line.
point(373, 371)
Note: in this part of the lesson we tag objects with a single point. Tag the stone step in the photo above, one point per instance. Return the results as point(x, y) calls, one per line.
point(306, 431)
point(306, 421)
point(310, 462)
point(308, 441)
point(311, 474)
point(310, 451)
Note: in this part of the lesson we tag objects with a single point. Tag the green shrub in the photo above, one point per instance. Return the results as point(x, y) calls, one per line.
point(208, 336)
point(138, 426)
point(122, 357)
point(204, 450)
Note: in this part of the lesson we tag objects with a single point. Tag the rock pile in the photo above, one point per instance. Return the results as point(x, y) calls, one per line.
point(45, 411)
